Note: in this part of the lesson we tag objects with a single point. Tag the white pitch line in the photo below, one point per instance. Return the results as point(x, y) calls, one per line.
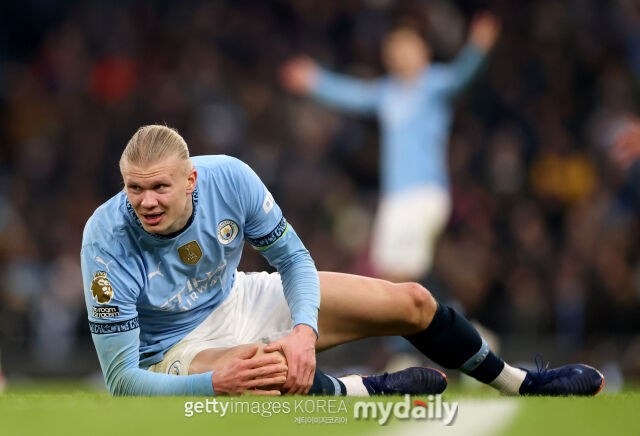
point(475, 417)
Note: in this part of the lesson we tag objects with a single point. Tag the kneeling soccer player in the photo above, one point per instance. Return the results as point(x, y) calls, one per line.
point(170, 315)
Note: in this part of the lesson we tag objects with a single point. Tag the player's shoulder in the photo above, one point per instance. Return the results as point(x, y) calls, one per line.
point(220, 167)
point(108, 222)
point(214, 162)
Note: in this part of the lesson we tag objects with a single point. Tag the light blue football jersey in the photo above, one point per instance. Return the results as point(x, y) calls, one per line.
point(415, 117)
point(166, 286)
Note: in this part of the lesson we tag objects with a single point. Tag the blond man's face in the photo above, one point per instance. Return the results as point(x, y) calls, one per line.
point(160, 193)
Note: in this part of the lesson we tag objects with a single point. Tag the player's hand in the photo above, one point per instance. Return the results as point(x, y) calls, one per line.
point(299, 348)
point(298, 75)
point(484, 31)
point(247, 373)
point(626, 148)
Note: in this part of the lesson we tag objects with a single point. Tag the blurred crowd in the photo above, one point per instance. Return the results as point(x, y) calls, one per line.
point(543, 241)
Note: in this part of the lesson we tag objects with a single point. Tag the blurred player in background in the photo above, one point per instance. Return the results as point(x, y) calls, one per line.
point(170, 315)
point(414, 107)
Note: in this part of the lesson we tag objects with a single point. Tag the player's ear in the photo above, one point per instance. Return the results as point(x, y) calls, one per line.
point(191, 181)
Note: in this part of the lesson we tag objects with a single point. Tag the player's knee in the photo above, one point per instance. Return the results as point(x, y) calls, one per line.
point(278, 354)
point(282, 361)
point(421, 306)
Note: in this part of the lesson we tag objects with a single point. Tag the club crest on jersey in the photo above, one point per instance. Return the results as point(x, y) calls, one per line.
point(227, 231)
point(101, 288)
point(190, 253)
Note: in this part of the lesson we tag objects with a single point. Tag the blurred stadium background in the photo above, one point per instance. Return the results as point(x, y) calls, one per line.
point(542, 246)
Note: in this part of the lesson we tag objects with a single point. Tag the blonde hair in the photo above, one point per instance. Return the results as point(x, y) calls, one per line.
point(153, 143)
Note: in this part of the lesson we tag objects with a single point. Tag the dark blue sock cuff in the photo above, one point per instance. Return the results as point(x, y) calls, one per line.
point(324, 384)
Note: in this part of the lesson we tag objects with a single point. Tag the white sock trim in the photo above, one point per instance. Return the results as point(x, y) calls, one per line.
point(509, 380)
point(354, 385)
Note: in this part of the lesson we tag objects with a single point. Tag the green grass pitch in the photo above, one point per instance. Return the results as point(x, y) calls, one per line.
point(69, 408)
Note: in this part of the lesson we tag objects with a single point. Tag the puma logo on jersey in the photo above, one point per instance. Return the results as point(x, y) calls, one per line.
point(156, 272)
point(106, 264)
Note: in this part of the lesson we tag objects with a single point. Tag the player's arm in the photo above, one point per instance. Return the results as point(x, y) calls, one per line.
point(284, 250)
point(302, 291)
point(118, 355)
point(115, 331)
point(110, 295)
point(268, 231)
point(483, 34)
point(303, 76)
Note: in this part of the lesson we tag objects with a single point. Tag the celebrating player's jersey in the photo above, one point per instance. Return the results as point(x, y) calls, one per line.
point(415, 116)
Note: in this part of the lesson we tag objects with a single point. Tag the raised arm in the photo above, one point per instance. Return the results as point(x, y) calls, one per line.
point(303, 76)
point(483, 34)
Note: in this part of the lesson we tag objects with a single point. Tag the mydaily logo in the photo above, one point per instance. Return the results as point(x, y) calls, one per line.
point(382, 411)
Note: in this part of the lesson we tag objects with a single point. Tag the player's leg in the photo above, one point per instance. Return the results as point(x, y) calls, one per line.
point(264, 316)
point(354, 307)
point(409, 381)
point(254, 314)
point(214, 359)
point(406, 253)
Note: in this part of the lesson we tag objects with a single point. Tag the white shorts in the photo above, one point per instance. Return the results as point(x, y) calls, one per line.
point(254, 311)
point(406, 230)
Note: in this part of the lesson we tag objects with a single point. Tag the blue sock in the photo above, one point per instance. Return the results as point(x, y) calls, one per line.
point(452, 342)
point(324, 384)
